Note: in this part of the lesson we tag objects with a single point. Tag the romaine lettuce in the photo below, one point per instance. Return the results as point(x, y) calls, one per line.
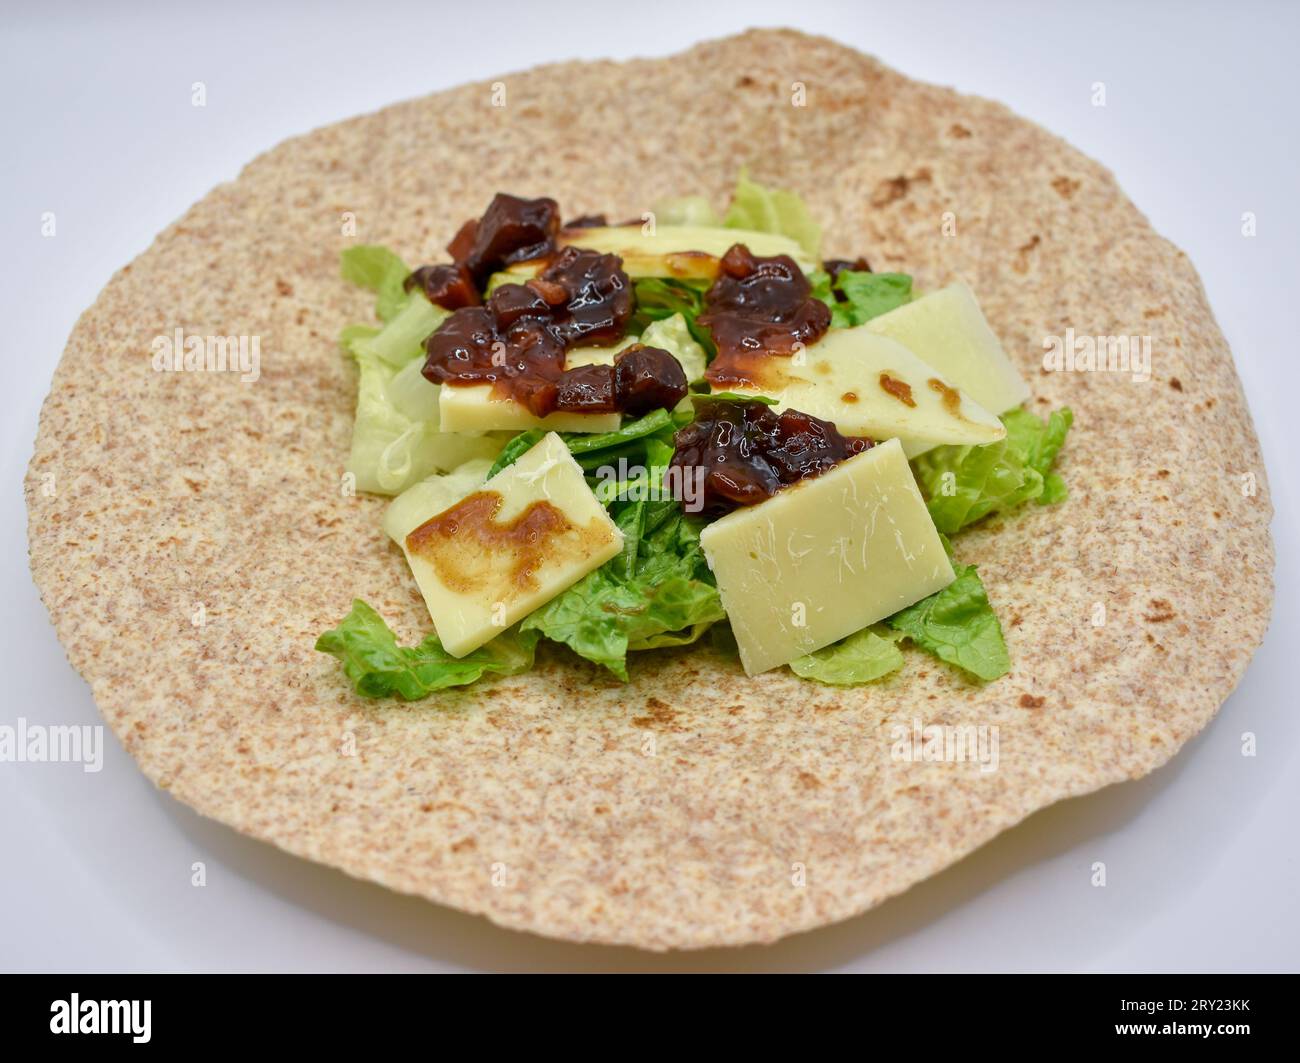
point(773, 210)
point(862, 657)
point(964, 484)
point(959, 626)
point(378, 667)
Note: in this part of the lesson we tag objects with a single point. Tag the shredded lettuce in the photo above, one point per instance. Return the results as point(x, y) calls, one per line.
point(401, 341)
point(662, 595)
point(673, 334)
point(686, 210)
point(868, 295)
point(658, 298)
point(959, 626)
point(964, 484)
point(395, 438)
point(382, 271)
point(862, 657)
point(379, 668)
point(773, 210)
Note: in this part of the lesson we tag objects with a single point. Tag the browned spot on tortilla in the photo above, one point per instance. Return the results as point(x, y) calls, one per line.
point(1021, 264)
point(1029, 701)
point(1161, 611)
point(900, 389)
point(959, 131)
point(1155, 311)
point(464, 845)
point(1162, 473)
point(849, 397)
point(893, 189)
point(466, 544)
point(1065, 186)
point(745, 81)
point(659, 716)
point(1175, 383)
point(951, 396)
point(284, 287)
point(809, 781)
point(194, 485)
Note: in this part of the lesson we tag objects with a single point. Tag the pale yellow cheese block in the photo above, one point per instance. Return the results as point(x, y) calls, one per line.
point(870, 385)
point(947, 329)
point(688, 252)
point(825, 557)
point(491, 558)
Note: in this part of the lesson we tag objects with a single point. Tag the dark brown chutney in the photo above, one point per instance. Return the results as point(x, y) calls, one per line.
point(836, 266)
point(518, 341)
point(512, 229)
point(748, 452)
point(759, 307)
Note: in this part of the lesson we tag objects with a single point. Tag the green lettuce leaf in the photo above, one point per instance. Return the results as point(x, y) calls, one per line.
point(379, 668)
point(382, 271)
point(868, 295)
point(964, 484)
point(686, 210)
point(395, 437)
point(673, 334)
point(959, 626)
point(660, 298)
point(862, 657)
point(773, 210)
point(665, 596)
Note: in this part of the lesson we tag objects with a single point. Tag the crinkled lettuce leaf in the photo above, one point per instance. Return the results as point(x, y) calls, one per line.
point(773, 210)
point(964, 484)
point(662, 594)
point(673, 334)
point(868, 295)
point(659, 298)
point(395, 437)
point(862, 657)
point(959, 626)
point(686, 210)
point(382, 271)
point(379, 668)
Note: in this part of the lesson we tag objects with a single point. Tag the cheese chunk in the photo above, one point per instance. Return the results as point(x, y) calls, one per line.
point(946, 329)
point(825, 557)
point(684, 251)
point(476, 409)
point(413, 506)
point(509, 546)
point(870, 385)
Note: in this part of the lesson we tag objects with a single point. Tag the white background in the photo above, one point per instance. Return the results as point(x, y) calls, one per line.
point(1200, 126)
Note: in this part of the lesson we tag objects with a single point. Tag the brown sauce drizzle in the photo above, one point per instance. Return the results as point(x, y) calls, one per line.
point(900, 389)
point(465, 544)
point(951, 396)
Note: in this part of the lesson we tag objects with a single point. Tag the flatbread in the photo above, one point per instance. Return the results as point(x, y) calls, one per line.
point(190, 537)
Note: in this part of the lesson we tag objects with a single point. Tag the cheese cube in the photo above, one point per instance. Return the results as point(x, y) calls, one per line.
point(509, 546)
point(947, 329)
point(825, 557)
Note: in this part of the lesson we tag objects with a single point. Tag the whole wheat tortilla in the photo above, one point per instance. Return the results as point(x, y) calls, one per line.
point(190, 538)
